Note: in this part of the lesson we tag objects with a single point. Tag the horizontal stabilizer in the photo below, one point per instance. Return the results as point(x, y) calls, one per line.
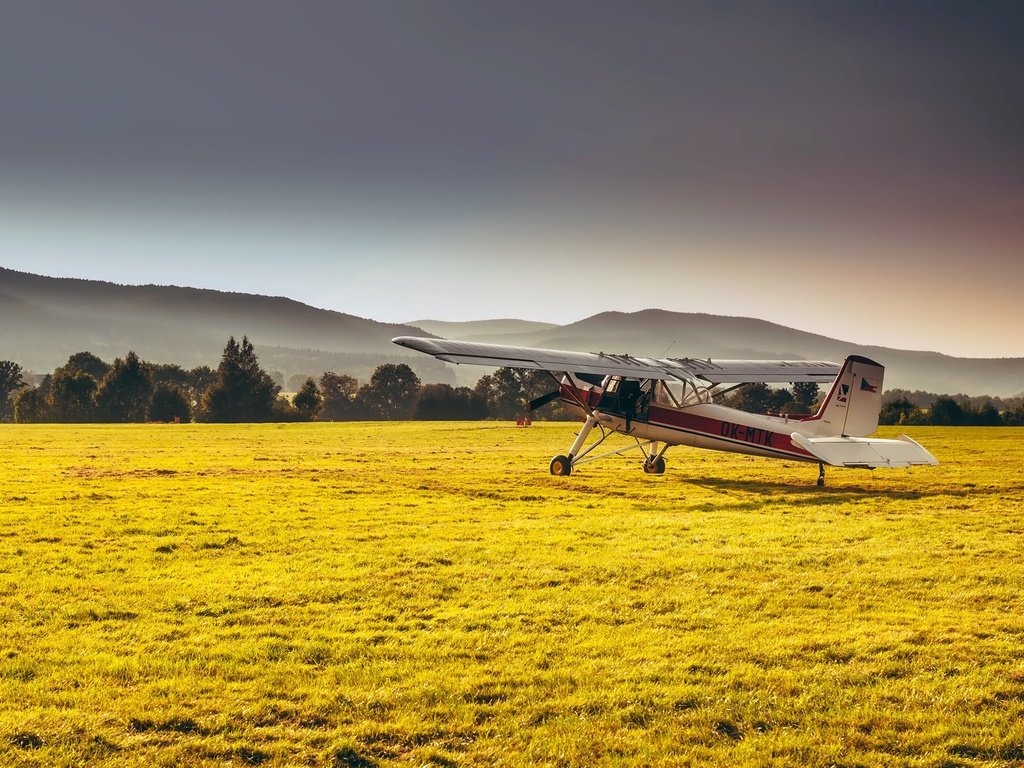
point(865, 452)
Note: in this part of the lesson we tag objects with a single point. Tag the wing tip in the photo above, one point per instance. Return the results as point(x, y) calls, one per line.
point(418, 343)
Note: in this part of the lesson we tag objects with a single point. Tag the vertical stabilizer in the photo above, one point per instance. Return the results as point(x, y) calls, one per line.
point(852, 405)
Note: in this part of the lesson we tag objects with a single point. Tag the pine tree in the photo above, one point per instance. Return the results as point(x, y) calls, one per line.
point(242, 391)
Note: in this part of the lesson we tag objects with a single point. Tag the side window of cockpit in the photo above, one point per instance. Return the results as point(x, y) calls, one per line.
point(670, 393)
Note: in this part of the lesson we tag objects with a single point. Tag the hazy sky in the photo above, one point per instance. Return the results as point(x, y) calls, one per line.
point(849, 168)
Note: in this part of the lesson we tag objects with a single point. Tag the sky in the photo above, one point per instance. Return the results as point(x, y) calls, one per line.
point(854, 169)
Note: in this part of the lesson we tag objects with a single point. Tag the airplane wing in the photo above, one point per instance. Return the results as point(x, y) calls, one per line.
point(601, 363)
point(866, 452)
point(500, 355)
point(768, 371)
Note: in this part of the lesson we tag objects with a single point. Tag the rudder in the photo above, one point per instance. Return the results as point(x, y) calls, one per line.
point(853, 403)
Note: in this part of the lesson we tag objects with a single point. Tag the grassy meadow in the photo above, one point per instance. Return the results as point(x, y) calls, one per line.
point(356, 595)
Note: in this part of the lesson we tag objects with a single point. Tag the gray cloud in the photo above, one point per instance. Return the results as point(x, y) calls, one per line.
point(662, 95)
point(719, 125)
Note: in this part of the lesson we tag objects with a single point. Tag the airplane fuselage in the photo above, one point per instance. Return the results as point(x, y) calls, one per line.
point(704, 425)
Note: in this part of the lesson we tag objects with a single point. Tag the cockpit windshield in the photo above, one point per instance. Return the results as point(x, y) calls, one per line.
point(680, 393)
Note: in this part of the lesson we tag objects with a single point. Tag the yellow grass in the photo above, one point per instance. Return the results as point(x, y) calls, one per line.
point(426, 594)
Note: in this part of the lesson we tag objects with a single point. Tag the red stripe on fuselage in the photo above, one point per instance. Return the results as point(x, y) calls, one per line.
point(758, 437)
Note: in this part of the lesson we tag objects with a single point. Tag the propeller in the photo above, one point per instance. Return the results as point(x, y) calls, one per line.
point(543, 400)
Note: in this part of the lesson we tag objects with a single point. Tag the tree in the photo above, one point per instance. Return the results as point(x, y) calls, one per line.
point(86, 362)
point(308, 400)
point(391, 393)
point(30, 407)
point(338, 391)
point(168, 403)
point(126, 390)
point(200, 379)
point(72, 396)
point(752, 398)
point(899, 411)
point(987, 416)
point(10, 381)
point(242, 390)
point(780, 400)
point(805, 395)
point(442, 402)
point(1014, 416)
point(508, 391)
point(45, 385)
point(946, 412)
point(504, 392)
point(170, 373)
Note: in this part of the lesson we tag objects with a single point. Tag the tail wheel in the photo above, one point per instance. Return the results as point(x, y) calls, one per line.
point(561, 466)
point(656, 467)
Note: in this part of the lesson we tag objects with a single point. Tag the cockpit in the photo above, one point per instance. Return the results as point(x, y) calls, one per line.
point(680, 393)
point(633, 397)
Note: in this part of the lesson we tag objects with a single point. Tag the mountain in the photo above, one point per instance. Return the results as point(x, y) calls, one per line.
point(43, 320)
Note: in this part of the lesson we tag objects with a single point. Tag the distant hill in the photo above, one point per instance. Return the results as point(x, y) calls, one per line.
point(44, 319)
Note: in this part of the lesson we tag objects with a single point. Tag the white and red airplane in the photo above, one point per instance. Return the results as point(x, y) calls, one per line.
point(666, 402)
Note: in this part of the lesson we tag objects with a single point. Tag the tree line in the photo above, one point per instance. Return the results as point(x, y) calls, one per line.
point(953, 411)
point(88, 389)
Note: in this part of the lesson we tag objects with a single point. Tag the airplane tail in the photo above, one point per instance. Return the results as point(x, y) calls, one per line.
point(852, 405)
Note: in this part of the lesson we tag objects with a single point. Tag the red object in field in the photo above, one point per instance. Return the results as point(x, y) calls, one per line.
point(523, 421)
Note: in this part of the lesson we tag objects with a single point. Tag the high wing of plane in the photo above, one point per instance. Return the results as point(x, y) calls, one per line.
point(600, 363)
point(661, 402)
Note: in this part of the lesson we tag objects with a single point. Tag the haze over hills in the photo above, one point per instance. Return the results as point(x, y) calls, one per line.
point(43, 320)
point(475, 330)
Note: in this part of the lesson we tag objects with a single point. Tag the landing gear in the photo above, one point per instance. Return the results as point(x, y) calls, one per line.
point(561, 466)
point(654, 460)
point(654, 466)
point(821, 475)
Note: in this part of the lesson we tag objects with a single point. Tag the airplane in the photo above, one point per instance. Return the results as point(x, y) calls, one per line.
point(671, 401)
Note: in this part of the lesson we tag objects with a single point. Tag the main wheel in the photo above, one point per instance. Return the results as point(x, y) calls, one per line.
point(561, 466)
point(656, 467)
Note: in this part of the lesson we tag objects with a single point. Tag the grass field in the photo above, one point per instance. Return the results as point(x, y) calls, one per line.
point(426, 594)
